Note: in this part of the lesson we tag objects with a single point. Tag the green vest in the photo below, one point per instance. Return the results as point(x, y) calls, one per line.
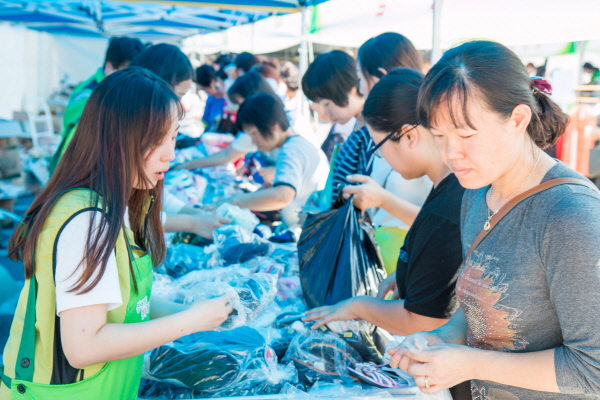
point(33, 357)
point(78, 100)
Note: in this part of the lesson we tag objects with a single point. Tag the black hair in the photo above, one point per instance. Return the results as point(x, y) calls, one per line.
point(245, 61)
point(205, 74)
point(588, 65)
point(166, 61)
point(388, 51)
point(248, 85)
point(267, 70)
point(331, 76)
point(263, 110)
point(290, 75)
point(223, 59)
point(392, 102)
point(121, 50)
point(491, 73)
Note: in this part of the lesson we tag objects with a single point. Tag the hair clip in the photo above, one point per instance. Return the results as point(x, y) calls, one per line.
point(539, 84)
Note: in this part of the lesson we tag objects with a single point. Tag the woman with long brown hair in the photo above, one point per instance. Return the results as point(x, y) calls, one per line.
point(88, 243)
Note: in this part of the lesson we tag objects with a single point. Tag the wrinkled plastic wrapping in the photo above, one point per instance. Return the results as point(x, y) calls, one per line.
point(215, 364)
point(417, 344)
point(249, 296)
point(238, 216)
point(262, 280)
point(186, 186)
point(338, 256)
point(320, 356)
point(183, 258)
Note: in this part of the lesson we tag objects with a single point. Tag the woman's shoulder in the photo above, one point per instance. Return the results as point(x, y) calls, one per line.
point(587, 189)
point(77, 200)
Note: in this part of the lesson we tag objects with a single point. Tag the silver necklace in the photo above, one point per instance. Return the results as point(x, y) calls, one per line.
point(488, 225)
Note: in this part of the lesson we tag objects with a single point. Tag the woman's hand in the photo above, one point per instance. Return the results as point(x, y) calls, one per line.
point(342, 311)
point(387, 286)
point(268, 174)
point(215, 204)
point(204, 224)
point(209, 314)
point(368, 195)
point(441, 367)
point(414, 341)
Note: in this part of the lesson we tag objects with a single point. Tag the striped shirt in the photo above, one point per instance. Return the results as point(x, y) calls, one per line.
point(353, 158)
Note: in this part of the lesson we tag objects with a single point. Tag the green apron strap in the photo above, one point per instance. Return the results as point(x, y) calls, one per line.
point(5, 379)
point(26, 357)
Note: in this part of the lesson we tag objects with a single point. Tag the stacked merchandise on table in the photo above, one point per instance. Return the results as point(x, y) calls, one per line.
point(263, 348)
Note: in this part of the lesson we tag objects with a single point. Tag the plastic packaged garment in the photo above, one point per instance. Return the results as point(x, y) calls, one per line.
point(183, 258)
point(355, 333)
point(261, 375)
point(186, 186)
point(378, 376)
point(231, 235)
point(238, 216)
point(237, 245)
point(338, 256)
point(329, 391)
point(223, 274)
point(215, 364)
point(417, 344)
point(165, 287)
point(249, 296)
point(288, 289)
point(320, 356)
point(191, 239)
point(188, 153)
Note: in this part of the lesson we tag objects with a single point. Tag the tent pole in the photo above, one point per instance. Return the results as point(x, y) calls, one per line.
point(303, 53)
point(436, 48)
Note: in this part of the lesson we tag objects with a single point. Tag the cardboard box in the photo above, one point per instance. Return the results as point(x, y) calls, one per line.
point(10, 163)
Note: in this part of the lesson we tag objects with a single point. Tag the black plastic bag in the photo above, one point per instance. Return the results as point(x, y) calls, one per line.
point(338, 256)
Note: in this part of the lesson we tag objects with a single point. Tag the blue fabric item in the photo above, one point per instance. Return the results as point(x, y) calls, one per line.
point(213, 109)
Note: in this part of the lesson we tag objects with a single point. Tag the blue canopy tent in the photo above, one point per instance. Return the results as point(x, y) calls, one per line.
point(140, 18)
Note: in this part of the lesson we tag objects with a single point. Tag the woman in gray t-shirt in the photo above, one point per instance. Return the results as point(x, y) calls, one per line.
point(529, 291)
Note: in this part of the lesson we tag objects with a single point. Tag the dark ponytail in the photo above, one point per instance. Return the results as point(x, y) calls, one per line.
point(392, 103)
point(492, 73)
point(548, 122)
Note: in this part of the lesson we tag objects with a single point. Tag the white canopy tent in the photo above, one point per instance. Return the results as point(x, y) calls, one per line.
point(349, 23)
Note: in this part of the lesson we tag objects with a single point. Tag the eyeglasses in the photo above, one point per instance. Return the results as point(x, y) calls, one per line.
point(376, 150)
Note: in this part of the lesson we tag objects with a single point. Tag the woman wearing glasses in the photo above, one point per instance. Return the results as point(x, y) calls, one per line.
point(431, 255)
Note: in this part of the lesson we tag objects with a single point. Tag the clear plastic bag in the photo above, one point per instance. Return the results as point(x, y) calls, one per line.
point(417, 344)
point(186, 186)
point(215, 364)
point(183, 258)
point(249, 296)
point(238, 216)
point(237, 245)
point(166, 288)
point(320, 356)
point(204, 362)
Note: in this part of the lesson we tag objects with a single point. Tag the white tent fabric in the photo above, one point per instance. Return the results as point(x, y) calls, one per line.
point(33, 63)
point(349, 23)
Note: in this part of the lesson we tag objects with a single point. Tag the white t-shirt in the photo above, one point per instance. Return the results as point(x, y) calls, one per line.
point(69, 253)
point(303, 167)
point(414, 191)
point(171, 204)
point(243, 143)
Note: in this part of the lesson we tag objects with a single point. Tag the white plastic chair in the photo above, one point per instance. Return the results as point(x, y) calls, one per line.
point(39, 121)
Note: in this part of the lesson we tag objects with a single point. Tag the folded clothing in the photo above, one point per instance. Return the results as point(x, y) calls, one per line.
point(321, 356)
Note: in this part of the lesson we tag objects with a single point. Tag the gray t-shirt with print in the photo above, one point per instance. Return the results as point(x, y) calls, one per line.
point(534, 284)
